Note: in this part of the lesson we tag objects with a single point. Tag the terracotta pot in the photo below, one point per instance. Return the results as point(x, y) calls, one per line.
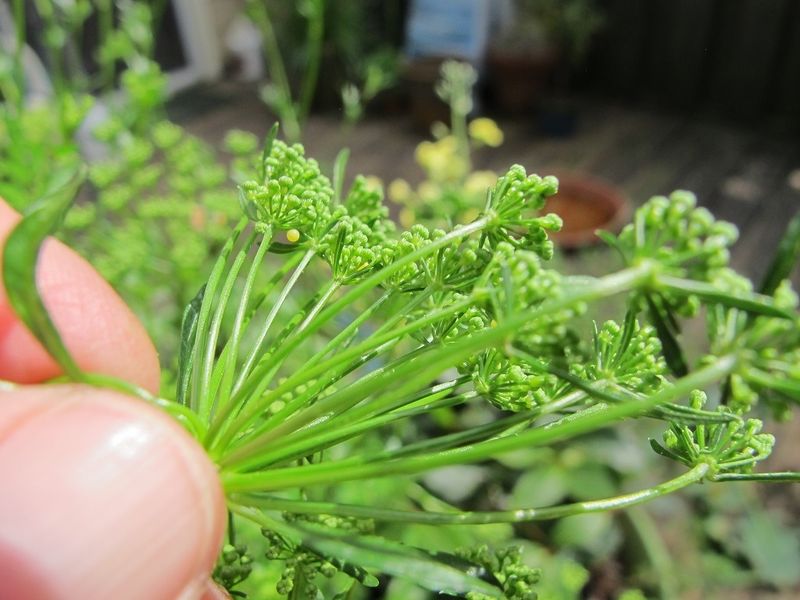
point(586, 204)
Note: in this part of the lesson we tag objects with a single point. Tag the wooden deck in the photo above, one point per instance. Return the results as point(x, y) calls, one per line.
point(744, 176)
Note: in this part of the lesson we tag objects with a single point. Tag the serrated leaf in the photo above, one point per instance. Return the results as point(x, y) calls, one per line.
point(21, 255)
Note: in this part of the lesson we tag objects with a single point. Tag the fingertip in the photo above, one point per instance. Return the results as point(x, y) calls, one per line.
point(114, 499)
point(98, 329)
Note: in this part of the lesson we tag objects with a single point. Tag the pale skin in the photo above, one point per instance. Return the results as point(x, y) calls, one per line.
point(102, 496)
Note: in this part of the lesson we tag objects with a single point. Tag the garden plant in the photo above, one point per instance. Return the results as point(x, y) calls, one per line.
point(289, 388)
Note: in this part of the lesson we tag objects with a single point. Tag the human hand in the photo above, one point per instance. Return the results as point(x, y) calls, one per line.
point(103, 496)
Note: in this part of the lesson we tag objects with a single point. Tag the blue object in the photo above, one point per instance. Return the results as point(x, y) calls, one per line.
point(457, 28)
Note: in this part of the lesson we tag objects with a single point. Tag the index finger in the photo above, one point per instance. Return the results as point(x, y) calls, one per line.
point(98, 329)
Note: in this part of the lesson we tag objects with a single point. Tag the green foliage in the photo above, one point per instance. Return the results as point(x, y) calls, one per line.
point(389, 340)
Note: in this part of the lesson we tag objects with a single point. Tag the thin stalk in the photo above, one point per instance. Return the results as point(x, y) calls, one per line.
point(254, 353)
point(357, 291)
point(225, 413)
point(259, 403)
point(269, 503)
point(348, 332)
point(277, 71)
point(205, 400)
point(232, 348)
point(777, 476)
point(571, 426)
point(656, 551)
point(607, 286)
point(205, 307)
point(304, 445)
point(316, 32)
point(327, 408)
point(329, 291)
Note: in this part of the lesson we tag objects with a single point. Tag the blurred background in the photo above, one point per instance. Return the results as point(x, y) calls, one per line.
point(622, 99)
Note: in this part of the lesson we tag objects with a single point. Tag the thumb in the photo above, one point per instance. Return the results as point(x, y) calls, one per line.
point(103, 497)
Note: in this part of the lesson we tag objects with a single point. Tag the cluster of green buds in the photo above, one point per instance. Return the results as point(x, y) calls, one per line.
point(293, 195)
point(513, 206)
point(683, 240)
point(516, 579)
point(508, 384)
point(625, 356)
point(769, 348)
point(734, 446)
point(303, 567)
point(234, 566)
point(682, 237)
point(351, 249)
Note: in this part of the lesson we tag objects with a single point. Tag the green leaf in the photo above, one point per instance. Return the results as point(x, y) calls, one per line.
point(757, 304)
point(673, 354)
point(594, 533)
point(451, 576)
point(271, 135)
point(188, 337)
point(20, 259)
point(541, 486)
point(339, 168)
point(785, 258)
point(772, 549)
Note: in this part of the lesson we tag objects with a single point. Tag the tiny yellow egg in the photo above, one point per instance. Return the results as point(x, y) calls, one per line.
point(293, 235)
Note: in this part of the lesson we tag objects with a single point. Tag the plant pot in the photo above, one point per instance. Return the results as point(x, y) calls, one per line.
point(586, 204)
point(518, 80)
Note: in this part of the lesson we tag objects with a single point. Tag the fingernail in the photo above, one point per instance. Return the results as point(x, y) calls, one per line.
point(104, 497)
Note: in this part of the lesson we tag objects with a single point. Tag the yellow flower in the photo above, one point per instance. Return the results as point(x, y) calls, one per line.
point(486, 132)
point(407, 217)
point(428, 191)
point(374, 184)
point(399, 191)
point(478, 182)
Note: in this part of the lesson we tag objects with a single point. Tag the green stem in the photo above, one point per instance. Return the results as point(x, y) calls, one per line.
point(329, 291)
point(309, 440)
point(567, 427)
point(232, 348)
point(205, 308)
point(277, 71)
point(260, 402)
point(205, 400)
point(269, 503)
point(609, 285)
point(316, 32)
point(276, 306)
point(656, 551)
point(778, 476)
